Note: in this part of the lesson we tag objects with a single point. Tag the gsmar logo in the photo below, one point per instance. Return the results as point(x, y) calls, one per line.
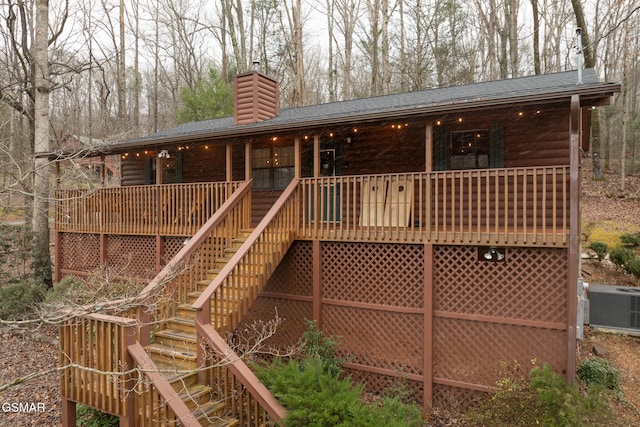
point(25, 407)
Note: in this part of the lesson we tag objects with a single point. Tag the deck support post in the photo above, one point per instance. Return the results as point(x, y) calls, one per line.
point(247, 160)
point(68, 412)
point(316, 156)
point(229, 163)
point(297, 160)
point(159, 251)
point(574, 233)
point(103, 249)
point(57, 256)
point(317, 282)
point(428, 145)
point(203, 317)
point(428, 326)
point(129, 417)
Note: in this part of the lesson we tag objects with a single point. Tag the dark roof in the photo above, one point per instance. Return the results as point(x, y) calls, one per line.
point(430, 101)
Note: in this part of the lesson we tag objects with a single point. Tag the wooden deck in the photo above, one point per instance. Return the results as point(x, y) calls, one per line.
point(471, 236)
point(508, 207)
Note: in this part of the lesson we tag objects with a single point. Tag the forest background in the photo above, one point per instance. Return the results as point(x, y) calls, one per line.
point(107, 70)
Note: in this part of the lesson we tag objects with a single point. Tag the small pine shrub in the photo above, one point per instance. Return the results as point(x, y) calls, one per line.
point(316, 398)
point(546, 399)
point(316, 345)
point(19, 300)
point(600, 248)
point(621, 256)
point(631, 239)
point(633, 267)
point(597, 371)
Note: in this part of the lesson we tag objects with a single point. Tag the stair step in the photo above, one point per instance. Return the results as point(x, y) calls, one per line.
point(212, 415)
point(178, 339)
point(195, 396)
point(180, 323)
point(188, 313)
point(182, 359)
point(238, 281)
point(231, 295)
point(179, 378)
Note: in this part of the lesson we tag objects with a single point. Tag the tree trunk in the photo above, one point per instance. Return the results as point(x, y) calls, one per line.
point(536, 37)
point(589, 62)
point(42, 173)
point(122, 75)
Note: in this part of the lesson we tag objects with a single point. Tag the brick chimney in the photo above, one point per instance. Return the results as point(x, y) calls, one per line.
point(255, 98)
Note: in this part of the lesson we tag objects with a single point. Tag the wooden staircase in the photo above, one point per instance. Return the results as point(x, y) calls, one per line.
point(174, 349)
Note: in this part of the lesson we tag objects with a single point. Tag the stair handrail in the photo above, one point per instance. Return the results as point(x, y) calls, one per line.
point(211, 336)
point(242, 372)
point(164, 388)
point(196, 240)
point(246, 246)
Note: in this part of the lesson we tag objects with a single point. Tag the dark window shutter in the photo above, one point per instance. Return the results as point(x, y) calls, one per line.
point(179, 168)
point(496, 146)
point(148, 170)
point(440, 148)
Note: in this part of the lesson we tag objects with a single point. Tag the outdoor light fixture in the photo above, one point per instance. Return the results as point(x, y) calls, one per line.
point(491, 254)
point(164, 154)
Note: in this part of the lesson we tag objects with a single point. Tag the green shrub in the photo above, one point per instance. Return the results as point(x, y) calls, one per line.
point(316, 345)
point(631, 239)
point(19, 300)
point(596, 371)
point(91, 417)
point(633, 267)
point(600, 248)
point(621, 256)
point(546, 399)
point(312, 396)
point(316, 398)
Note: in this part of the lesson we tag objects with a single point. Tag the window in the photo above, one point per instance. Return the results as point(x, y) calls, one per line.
point(273, 167)
point(470, 149)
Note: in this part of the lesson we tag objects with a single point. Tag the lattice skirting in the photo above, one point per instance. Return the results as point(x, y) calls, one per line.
point(486, 315)
point(134, 256)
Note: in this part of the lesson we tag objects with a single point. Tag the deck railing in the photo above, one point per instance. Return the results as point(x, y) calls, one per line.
point(93, 348)
point(253, 263)
point(516, 206)
point(168, 210)
point(108, 367)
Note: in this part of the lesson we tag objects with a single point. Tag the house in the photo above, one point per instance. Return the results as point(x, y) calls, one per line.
point(435, 232)
point(104, 169)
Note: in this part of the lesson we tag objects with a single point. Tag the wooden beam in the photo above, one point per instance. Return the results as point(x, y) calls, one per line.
point(57, 256)
point(297, 150)
point(428, 144)
point(427, 344)
point(128, 419)
point(104, 249)
point(317, 282)
point(316, 156)
point(574, 233)
point(229, 163)
point(247, 160)
point(158, 170)
point(68, 413)
point(160, 244)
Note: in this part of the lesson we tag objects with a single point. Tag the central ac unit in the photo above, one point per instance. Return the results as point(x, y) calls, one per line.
point(614, 307)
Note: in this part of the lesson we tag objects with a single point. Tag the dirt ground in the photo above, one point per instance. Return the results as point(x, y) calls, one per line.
point(616, 211)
